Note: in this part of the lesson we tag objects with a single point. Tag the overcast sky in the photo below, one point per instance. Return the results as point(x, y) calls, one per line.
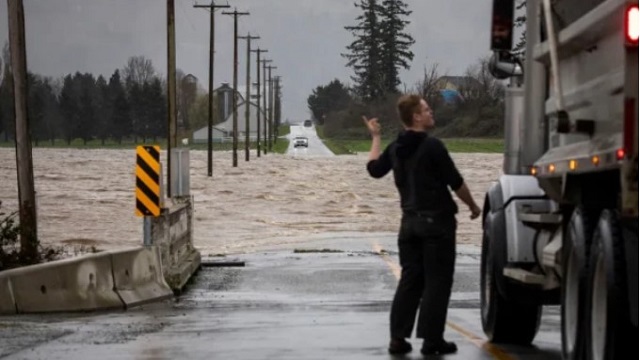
point(304, 37)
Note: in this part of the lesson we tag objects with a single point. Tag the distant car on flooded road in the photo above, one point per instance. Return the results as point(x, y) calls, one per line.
point(308, 123)
point(300, 141)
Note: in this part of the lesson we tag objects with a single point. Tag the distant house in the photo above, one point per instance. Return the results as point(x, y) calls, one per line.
point(224, 131)
point(452, 87)
point(225, 100)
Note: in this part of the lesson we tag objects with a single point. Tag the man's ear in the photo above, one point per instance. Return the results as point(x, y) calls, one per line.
point(415, 119)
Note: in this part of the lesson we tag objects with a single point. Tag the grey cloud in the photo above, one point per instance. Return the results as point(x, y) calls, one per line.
point(304, 37)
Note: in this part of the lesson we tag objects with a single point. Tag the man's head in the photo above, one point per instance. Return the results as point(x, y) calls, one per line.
point(415, 113)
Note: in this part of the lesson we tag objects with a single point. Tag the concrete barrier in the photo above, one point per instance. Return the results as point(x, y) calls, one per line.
point(76, 284)
point(7, 302)
point(172, 233)
point(138, 276)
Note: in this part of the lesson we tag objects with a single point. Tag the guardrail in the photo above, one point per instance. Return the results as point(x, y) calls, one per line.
point(101, 281)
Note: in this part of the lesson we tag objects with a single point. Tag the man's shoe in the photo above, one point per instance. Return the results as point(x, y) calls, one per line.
point(439, 349)
point(399, 346)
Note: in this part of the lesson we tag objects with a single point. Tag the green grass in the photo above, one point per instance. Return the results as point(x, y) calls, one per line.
point(284, 130)
point(337, 146)
point(281, 146)
point(454, 145)
point(475, 145)
point(457, 145)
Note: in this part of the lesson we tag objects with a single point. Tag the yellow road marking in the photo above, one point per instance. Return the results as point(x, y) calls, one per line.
point(495, 351)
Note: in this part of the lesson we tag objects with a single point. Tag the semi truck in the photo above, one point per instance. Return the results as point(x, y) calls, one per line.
point(560, 225)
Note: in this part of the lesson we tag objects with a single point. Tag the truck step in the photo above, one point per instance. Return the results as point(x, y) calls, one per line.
point(540, 218)
point(540, 221)
point(524, 276)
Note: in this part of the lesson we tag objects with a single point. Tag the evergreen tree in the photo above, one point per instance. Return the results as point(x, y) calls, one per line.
point(332, 97)
point(136, 107)
point(69, 108)
point(120, 117)
point(86, 125)
point(7, 118)
point(396, 43)
point(35, 111)
point(51, 119)
point(365, 51)
point(157, 114)
point(103, 110)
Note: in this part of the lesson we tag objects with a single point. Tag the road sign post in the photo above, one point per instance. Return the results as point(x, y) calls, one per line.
point(148, 187)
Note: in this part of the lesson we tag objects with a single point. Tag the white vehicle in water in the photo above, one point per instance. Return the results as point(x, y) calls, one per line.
point(300, 141)
point(561, 225)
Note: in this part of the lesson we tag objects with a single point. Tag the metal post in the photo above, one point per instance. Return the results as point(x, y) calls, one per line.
point(171, 87)
point(146, 231)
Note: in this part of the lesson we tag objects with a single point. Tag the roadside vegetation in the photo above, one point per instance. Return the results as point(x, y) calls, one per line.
point(11, 255)
point(468, 107)
point(461, 145)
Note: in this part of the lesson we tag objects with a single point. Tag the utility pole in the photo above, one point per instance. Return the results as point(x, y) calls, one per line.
point(171, 87)
point(264, 101)
point(247, 106)
point(276, 105)
point(235, 15)
point(258, 51)
point(271, 106)
point(212, 109)
point(24, 161)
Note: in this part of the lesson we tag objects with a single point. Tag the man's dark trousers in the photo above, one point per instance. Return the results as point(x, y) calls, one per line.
point(427, 244)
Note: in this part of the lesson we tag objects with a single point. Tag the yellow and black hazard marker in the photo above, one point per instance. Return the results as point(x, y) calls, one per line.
point(148, 180)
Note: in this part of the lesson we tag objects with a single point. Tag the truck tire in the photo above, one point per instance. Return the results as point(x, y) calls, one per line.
point(610, 334)
point(578, 236)
point(503, 320)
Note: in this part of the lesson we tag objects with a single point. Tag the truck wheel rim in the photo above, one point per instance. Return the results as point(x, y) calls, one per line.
point(488, 281)
point(599, 310)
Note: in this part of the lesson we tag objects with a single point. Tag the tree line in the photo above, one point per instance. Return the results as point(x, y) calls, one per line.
point(131, 105)
point(381, 47)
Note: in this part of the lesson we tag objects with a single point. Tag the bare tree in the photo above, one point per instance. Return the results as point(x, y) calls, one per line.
point(428, 86)
point(139, 69)
point(480, 88)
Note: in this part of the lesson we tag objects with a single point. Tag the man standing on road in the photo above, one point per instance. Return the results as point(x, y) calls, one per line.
point(423, 172)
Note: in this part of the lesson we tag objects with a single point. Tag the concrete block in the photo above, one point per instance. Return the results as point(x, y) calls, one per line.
point(138, 276)
point(77, 284)
point(7, 302)
point(178, 275)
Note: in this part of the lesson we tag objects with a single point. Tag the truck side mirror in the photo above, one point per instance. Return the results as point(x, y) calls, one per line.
point(502, 25)
point(503, 65)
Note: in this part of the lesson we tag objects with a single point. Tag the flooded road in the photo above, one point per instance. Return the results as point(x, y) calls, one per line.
point(301, 305)
point(86, 198)
point(292, 300)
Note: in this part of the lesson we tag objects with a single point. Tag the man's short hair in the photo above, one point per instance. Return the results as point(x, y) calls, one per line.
point(407, 106)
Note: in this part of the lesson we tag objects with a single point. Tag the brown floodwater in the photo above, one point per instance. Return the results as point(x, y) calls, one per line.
point(86, 198)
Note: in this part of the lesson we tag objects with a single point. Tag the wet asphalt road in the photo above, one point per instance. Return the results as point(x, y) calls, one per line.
point(283, 304)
